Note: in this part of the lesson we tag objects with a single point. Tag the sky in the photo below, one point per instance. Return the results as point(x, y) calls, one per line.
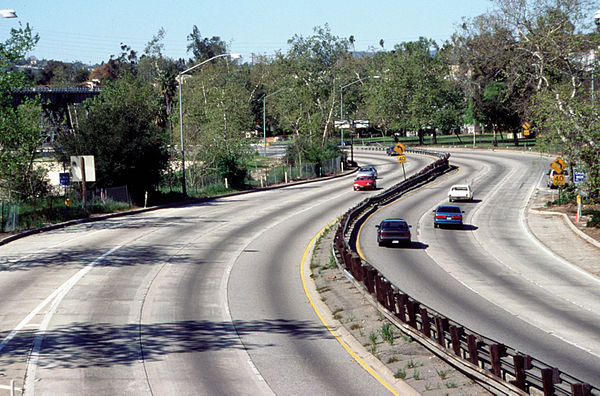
point(92, 31)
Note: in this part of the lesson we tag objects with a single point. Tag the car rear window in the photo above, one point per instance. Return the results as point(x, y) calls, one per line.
point(449, 209)
point(395, 225)
point(460, 188)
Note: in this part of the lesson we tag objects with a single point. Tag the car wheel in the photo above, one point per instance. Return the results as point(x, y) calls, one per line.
point(436, 225)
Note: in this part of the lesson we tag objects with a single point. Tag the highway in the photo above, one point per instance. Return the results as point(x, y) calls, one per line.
point(200, 299)
point(491, 276)
point(208, 299)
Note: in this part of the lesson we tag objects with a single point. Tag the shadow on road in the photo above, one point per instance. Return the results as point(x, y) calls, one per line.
point(104, 344)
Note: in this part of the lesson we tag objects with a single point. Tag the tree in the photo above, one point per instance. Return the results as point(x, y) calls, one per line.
point(122, 134)
point(546, 69)
point(20, 131)
point(216, 115)
point(204, 48)
point(415, 92)
point(308, 75)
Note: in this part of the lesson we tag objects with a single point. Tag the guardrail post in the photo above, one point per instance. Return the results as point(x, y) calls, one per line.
point(441, 326)
point(455, 333)
point(379, 289)
point(425, 325)
point(497, 351)
point(370, 279)
point(473, 352)
point(548, 381)
point(521, 364)
point(391, 292)
point(355, 264)
point(402, 302)
point(581, 390)
point(412, 308)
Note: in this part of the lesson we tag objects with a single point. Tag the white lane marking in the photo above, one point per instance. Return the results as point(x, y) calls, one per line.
point(54, 300)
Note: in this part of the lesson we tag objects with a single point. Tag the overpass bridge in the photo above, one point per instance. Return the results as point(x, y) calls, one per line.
point(59, 113)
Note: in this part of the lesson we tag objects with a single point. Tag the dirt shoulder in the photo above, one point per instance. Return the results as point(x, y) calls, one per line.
point(402, 357)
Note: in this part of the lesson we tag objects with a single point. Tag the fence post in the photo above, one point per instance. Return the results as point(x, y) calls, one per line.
point(401, 300)
point(413, 307)
point(520, 364)
point(441, 326)
point(497, 351)
point(581, 390)
point(473, 353)
point(425, 325)
point(455, 333)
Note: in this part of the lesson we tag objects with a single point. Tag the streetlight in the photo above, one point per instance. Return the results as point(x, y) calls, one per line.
point(180, 79)
point(264, 119)
point(342, 101)
point(8, 13)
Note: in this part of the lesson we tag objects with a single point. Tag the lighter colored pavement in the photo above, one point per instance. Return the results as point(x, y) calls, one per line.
point(560, 235)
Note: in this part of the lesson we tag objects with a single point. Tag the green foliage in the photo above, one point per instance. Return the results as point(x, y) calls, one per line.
point(21, 133)
point(400, 373)
point(527, 62)
point(594, 221)
point(122, 134)
point(413, 92)
point(215, 117)
point(387, 333)
point(229, 167)
point(204, 48)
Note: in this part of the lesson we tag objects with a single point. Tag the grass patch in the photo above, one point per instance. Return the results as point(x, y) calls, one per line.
point(387, 333)
point(400, 373)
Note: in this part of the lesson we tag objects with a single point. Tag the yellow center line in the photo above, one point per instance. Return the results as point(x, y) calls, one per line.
point(329, 328)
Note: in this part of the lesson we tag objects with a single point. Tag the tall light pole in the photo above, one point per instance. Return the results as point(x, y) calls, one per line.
point(342, 102)
point(180, 80)
point(265, 119)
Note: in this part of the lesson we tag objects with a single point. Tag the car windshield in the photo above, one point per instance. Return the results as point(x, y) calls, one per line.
point(449, 209)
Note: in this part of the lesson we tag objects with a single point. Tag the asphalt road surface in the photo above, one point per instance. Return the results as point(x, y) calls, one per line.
point(491, 276)
point(200, 299)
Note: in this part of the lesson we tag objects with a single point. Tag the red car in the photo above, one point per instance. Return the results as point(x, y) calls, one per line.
point(364, 182)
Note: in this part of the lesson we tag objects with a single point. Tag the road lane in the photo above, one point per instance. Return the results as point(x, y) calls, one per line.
point(489, 276)
point(153, 316)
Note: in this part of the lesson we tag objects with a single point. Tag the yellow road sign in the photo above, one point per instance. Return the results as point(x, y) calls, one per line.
point(559, 180)
point(558, 165)
point(399, 148)
point(526, 130)
point(402, 159)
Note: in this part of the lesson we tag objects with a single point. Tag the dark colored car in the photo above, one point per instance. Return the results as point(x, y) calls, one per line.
point(390, 151)
point(447, 215)
point(393, 231)
point(364, 183)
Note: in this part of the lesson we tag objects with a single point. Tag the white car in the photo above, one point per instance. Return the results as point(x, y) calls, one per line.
point(460, 192)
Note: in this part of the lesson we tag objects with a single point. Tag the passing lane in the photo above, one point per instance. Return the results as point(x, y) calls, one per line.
point(489, 276)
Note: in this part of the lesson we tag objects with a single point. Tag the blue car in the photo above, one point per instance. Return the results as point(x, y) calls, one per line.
point(447, 215)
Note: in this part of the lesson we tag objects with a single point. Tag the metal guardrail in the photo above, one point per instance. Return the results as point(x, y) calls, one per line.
point(498, 367)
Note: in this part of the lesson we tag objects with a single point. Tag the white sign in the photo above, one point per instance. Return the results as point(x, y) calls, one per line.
point(361, 124)
point(87, 161)
point(342, 124)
